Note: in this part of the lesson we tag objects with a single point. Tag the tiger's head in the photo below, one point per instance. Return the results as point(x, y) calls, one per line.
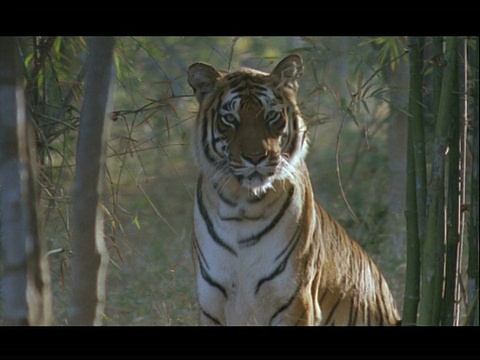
point(249, 127)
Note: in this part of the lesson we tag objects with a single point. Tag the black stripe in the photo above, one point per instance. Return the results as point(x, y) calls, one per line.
point(294, 241)
point(215, 140)
point(199, 251)
point(257, 198)
point(334, 308)
point(215, 320)
point(206, 147)
point(352, 318)
point(353, 308)
point(292, 134)
point(238, 90)
point(233, 218)
point(206, 276)
point(324, 216)
point(381, 302)
point(226, 200)
point(252, 99)
point(279, 98)
point(208, 222)
point(223, 197)
point(285, 306)
point(322, 297)
point(296, 235)
point(252, 240)
point(261, 90)
point(235, 81)
point(228, 106)
point(377, 293)
point(273, 275)
point(240, 219)
point(281, 267)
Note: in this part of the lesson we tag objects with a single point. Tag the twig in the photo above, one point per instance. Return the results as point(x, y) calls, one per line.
point(155, 209)
point(232, 49)
point(337, 167)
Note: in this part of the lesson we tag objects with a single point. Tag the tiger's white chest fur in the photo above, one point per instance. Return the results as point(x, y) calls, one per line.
point(242, 267)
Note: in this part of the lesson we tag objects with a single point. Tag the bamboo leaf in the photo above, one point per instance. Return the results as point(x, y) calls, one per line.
point(136, 222)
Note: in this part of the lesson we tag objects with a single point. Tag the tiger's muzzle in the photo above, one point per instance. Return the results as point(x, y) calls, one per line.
point(256, 172)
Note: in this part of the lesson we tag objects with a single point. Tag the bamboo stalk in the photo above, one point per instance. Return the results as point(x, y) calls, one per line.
point(439, 63)
point(433, 250)
point(412, 283)
point(473, 234)
point(418, 133)
point(452, 212)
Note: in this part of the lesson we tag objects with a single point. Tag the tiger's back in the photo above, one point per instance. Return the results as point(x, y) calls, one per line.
point(265, 253)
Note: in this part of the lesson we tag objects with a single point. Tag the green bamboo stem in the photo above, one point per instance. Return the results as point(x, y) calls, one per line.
point(473, 234)
point(412, 283)
point(418, 132)
point(453, 211)
point(437, 73)
point(433, 250)
point(415, 124)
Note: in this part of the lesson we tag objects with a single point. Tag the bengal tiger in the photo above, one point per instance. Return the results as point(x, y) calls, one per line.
point(264, 252)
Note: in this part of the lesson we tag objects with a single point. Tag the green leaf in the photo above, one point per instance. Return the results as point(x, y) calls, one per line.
point(136, 222)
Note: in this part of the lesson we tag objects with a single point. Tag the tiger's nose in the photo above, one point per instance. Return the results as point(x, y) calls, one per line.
point(255, 158)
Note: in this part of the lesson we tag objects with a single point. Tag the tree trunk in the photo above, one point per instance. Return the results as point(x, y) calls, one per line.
point(26, 283)
point(90, 256)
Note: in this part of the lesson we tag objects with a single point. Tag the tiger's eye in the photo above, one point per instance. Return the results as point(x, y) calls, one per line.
point(229, 119)
point(272, 116)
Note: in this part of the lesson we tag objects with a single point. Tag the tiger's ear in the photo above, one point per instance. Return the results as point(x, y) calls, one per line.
point(202, 78)
point(288, 71)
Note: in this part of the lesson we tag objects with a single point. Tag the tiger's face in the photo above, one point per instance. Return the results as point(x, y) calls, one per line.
point(248, 128)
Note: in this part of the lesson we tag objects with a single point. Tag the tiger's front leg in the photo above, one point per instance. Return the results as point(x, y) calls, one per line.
point(211, 295)
point(212, 307)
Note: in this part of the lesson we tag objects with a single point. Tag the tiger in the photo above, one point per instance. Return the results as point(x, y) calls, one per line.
point(264, 252)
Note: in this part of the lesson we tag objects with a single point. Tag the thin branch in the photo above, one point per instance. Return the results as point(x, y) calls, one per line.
point(140, 187)
point(232, 50)
point(337, 168)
